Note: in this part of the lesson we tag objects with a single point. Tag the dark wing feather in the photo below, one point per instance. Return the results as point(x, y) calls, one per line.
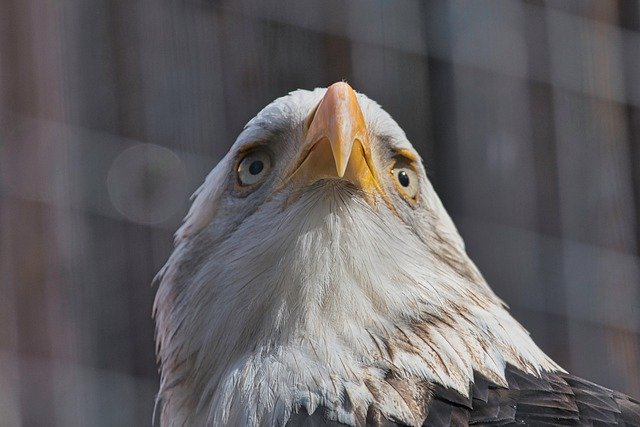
point(553, 399)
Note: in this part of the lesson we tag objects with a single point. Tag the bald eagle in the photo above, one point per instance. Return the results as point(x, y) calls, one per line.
point(318, 280)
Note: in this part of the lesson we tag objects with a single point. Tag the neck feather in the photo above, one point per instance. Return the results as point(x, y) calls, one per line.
point(340, 304)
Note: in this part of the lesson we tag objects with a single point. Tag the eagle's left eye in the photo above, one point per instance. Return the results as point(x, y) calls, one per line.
point(406, 180)
point(254, 167)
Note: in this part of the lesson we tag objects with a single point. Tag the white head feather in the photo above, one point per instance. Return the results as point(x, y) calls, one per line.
point(271, 304)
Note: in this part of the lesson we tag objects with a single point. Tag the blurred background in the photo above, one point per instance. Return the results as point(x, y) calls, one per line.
point(527, 114)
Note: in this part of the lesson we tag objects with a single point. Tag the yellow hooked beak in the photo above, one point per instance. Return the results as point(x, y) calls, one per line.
point(336, 142)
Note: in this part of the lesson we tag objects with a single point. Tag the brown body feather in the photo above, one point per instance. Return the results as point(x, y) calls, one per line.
point(552, 399)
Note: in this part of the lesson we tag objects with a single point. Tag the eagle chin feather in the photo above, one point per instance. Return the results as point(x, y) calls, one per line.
point(324, 308)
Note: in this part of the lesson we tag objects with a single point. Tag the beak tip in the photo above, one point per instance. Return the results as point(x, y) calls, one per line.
point(338, 118)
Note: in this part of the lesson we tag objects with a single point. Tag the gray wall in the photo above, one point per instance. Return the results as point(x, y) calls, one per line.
point(111, 113)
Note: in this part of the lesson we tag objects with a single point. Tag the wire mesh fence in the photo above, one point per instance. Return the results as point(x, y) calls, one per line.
point(527, 114)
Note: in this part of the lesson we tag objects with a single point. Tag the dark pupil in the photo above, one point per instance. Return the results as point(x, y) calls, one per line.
point(256, 167)
point(403, 178)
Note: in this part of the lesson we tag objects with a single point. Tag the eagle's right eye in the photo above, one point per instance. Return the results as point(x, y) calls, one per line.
point(254, 167)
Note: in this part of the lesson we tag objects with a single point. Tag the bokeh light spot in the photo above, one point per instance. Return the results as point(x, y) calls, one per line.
point(147, 183)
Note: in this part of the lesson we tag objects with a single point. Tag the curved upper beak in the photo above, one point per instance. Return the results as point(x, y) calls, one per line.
point(336, 141)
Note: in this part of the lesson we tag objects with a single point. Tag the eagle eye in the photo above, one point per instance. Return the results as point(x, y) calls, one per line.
point(254, 167)
point(406, 179)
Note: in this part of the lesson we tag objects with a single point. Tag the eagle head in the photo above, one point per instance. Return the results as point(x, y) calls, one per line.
point(318, 270)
